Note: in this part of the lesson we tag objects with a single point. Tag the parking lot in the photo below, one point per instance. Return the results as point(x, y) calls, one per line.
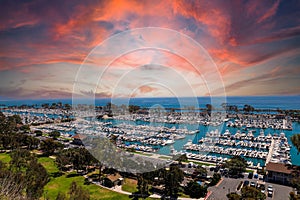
point(219, 192)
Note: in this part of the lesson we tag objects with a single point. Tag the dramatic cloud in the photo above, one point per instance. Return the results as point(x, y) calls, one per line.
point(48, 39)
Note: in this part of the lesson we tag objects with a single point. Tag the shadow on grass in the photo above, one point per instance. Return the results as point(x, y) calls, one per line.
point(56, 174)
point(137, 195)
point(72, 175)
point(86, 181)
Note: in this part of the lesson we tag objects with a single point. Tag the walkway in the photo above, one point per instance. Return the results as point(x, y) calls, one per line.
point(270, 152)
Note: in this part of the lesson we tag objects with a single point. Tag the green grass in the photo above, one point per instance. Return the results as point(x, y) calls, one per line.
point(63, 183)
point(49, 164)
point(5, 157)
point(202, 163)
point(181, 194)
point(164, 157)
point(129, 185)
point(142, 153)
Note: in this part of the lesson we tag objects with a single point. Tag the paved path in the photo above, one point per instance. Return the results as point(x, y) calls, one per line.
point(270, 152)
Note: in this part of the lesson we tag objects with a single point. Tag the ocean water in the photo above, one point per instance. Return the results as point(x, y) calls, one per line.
point(260, 102)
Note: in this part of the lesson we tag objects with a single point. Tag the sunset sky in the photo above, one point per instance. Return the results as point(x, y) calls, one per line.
point(254, 44)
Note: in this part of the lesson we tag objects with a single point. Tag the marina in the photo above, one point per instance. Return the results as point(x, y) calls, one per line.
point(200, 142)
point(259, 137)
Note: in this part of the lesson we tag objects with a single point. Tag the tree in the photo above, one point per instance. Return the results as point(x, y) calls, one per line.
point(61, 196)
point(216, 178)
point(294, 196)
point(252, 193)
point(200, 172)
point(209, 107)
point(195, 190)
point(295, 180)
point(38, 133)
point(20, 159)
point(78, 193)
point(296, 142)
point(80, 158)
point(173, 178)
point(108, 183)
point(233, 196)
point(54, 134)
point(133, 108)
point(142, 186)
point(36, 177)
point(182, 158)
point(48, 146)
point(248, 108)
point(236, 165)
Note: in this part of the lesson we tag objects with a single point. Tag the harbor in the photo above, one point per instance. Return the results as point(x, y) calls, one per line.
point(211, 137)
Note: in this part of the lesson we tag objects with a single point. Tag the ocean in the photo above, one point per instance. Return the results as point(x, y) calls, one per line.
point(259, 102)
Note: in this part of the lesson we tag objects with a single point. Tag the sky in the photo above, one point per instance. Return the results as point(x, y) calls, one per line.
point(244, 48)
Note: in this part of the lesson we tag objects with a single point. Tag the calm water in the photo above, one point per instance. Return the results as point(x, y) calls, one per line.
point(266, 102)
point(261, 102)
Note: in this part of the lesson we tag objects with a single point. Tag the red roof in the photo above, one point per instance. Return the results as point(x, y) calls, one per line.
point(79, 136)
point(279, 167)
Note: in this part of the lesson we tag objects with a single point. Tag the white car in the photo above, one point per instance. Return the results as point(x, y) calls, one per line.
point(270, 193)
point(270, 188)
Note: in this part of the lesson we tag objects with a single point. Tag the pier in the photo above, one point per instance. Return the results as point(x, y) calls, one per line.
point(270, 151)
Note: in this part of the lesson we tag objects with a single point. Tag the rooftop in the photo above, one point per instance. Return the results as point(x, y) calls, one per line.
point(279, 167)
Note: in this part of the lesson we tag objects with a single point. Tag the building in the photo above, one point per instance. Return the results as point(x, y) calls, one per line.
point(77, 139)
point(279, 173)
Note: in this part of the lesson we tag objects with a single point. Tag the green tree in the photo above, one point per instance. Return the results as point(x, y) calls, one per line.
point(20, 159)
point(296, 142)
point(194, 190)
point(78, 193)
point(209, 107)
point(216, 178)
point(80, 158)
point(200, 171)
point(54, 134)
point(61, 196)
point(142, 186)
point(173, 178)
point(233, 196)
point(294, 196)
point(49, 146)
point(108, 183)
point(133, 108)
point(252, 193)
point(295, 180)
point(248, 108)
point(182, 158)
point(236, 165)
point(36, 177)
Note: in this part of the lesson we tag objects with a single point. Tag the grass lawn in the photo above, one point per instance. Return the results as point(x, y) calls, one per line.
point(142, 153)
point(129, 185)
point(49, 164)
point(63, 183)
point(5, 157)
point(181, 194)
point(164, 157)
point(202, 163)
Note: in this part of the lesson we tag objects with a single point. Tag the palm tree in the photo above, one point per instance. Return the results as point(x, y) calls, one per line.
point(296, 142)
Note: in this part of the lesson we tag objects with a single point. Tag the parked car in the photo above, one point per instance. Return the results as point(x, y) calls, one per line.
point(250, 176)
point(246, 183)
point(270, 188)
point(252, 184)
point(270, 193)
